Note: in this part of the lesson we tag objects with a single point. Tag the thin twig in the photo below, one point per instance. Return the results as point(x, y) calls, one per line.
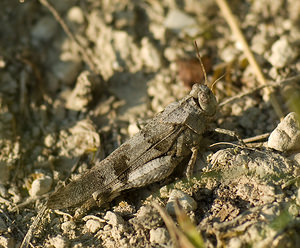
point(256, 138)
point(178, 237)
point(275, 84)
point(232, 22)
point(83, 51)
point(34, 225)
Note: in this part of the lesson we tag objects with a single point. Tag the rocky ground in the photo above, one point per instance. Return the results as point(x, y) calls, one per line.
point(60, 109)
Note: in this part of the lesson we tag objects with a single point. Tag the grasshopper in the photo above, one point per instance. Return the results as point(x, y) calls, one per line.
point(149, 156)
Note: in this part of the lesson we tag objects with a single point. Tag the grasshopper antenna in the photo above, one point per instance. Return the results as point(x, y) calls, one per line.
point(203, 69)
point(217, 80)
point(202, 66)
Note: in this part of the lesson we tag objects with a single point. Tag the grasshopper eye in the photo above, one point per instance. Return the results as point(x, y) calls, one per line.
point(207, 100)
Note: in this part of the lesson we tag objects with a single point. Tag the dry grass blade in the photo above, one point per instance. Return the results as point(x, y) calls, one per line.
point(178, 237)
point(273, 85)
point(34, 225)
point(83, 52)
point(188, 228)
point(231, 20)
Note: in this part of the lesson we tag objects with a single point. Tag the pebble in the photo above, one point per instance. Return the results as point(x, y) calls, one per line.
point(229, 53)
point(59, 242)
point(113, 218)
point(296, 158)
point(294, 210)
point(49, 140)
point(187, 202)
point(41, 185)
point(81, 95)
point(286, 136)
point(164, 192)
point(282, 53)
point(44, 29)
point(259, 43)
point(180, 22)
point(298, 197)
point(159, 235)
point(148, 217)
point(150, 54)
point(93, 225)
point(133, 129)
point(3, 191)
point(235, 243)
point(79, 138)
point(68, 226)
point(75, 15)
point(7, 242)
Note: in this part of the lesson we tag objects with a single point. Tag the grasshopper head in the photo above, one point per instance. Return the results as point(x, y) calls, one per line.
point(206, 99)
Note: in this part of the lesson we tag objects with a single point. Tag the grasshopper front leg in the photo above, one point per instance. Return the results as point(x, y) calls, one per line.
point(192, 161)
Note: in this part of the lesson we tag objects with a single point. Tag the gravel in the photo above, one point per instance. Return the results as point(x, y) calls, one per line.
point(57, 117)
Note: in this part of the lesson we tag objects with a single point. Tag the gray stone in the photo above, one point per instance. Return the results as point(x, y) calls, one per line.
point(44, 29)
point(286, 136)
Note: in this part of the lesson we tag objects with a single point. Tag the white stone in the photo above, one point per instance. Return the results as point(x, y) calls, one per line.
point(68, 226)
point(93, 225)
point(81, 95)
point(113, 218)
point(7, 242)
point(150, 54)
point(296, 158)
point(159, 235)
point(41, 185)
point(75, 15)
point(298, 197)
point(286, 136)
point(185, 201)
point(178, 21)
point(59, 242)
point(282, 53)
point(49, 140)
